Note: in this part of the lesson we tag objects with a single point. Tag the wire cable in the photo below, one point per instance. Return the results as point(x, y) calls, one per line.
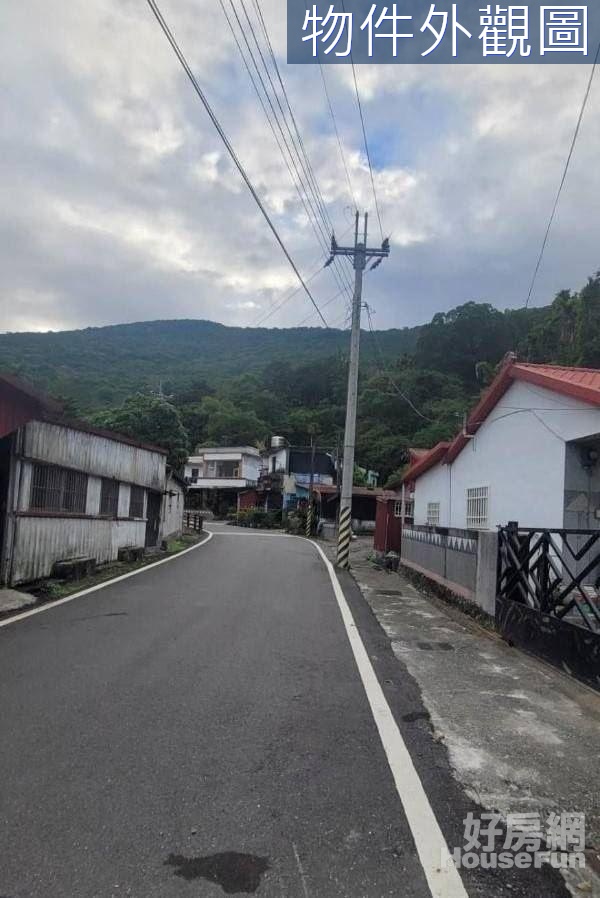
point(364, 131)
point(339, 140)
point(185, 65)
point(564, 177)
point(388, 376)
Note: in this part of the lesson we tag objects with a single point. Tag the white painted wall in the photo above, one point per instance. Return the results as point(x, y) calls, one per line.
point(519, 454)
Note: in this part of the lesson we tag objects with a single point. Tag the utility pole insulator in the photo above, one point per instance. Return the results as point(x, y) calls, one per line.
point(360, 255)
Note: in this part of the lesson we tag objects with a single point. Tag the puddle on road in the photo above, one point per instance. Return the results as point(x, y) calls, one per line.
point(234, 872)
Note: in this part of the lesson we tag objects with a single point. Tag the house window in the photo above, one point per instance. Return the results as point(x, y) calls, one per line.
point(136, 502)
point(433, 514)
point(409, 507)
point(477, 507)
point(195, 472)
point(109, 498)
point(398, 509)
point(58, 489)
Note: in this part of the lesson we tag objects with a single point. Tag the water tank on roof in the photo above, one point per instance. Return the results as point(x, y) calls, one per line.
point(278, 442)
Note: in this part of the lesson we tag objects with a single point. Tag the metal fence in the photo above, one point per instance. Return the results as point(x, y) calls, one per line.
point(193, 520)
point(547, 598)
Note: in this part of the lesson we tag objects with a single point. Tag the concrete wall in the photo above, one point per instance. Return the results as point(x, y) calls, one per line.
point(462, 562)
point(449, 558)
point(519, 454)
point(172, 509)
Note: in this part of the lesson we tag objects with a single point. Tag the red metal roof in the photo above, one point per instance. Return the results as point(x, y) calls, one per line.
point(430, 458)
point(578, 383)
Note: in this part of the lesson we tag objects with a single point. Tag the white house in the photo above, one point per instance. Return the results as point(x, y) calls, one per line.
point(529, 452)
point(215, 476)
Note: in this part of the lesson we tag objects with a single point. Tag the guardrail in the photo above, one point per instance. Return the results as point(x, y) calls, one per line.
point(193, 520)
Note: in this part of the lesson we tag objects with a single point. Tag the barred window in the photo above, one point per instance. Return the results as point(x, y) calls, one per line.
point(136, 502)
point(397, 509)
point(109, 498)
point(58, 489)
point(477, 507)
point(433, 514)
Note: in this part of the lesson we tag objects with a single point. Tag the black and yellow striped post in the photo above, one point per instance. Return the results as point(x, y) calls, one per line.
point(309, 519)
point(360, 253)
point(344, 537)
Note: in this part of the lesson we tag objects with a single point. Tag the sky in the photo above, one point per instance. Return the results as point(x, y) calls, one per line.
point(120, 203)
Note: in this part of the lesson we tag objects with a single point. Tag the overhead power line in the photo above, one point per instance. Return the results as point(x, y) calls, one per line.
point(386, 373)
point(339, 140)
point(564, 176)
point(298, 142)
point(366, 142)
point(185, 65)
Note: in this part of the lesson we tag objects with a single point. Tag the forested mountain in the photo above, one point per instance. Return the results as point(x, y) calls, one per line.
point(185, 383)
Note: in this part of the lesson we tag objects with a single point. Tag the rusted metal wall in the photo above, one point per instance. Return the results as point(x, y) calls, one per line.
point(40, 541)
point(61, 445)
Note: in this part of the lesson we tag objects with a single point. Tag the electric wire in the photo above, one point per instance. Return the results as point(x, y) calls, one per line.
point(386, 373)
point(310, 200)
point(366, 142)
point(212, 115)
point(338, 138)
point(300, 147)
point(564, 177)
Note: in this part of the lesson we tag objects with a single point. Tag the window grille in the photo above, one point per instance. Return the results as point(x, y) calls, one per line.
point(477, 507)
point(398, 509)
point(136, 502)
point(433, 514)
point(109, 498)
point(58, 489)
point(409, 508)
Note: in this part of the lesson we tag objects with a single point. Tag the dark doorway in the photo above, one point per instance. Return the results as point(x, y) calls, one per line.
point(153, 519)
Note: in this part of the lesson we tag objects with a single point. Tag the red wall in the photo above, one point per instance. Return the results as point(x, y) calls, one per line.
point(248, 499)
point(388, 529)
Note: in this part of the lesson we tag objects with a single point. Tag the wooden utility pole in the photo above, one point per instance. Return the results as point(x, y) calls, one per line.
point(360, 254)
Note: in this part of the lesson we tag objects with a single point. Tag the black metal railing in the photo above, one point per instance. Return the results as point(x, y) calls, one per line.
point(547, 596)
point(556, 572)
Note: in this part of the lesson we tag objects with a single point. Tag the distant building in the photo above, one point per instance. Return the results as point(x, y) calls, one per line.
point(69, 490)
point(285, 477)
point(216, 476)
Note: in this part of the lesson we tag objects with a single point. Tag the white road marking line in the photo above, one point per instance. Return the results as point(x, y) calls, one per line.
point(86, 592)
point(443, 879)
point(301, 870)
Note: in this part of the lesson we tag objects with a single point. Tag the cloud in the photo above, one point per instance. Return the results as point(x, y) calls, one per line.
point(121, 203)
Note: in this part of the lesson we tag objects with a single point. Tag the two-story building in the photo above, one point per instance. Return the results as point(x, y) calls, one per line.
point(215, 476)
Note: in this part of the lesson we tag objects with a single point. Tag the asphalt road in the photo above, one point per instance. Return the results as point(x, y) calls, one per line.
point(201, 729)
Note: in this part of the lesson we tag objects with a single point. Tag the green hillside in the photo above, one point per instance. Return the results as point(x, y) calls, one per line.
point(186, 383)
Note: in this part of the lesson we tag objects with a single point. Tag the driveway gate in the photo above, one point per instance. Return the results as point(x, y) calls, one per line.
point(547, 598)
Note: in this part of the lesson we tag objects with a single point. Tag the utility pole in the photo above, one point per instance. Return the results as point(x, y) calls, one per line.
point(360, 254)
point(309, 510)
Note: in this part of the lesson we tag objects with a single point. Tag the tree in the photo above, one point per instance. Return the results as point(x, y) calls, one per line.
point(149, 419)
point(588, 324)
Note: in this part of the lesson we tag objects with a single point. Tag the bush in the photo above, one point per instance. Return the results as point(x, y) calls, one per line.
point(257, 518)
